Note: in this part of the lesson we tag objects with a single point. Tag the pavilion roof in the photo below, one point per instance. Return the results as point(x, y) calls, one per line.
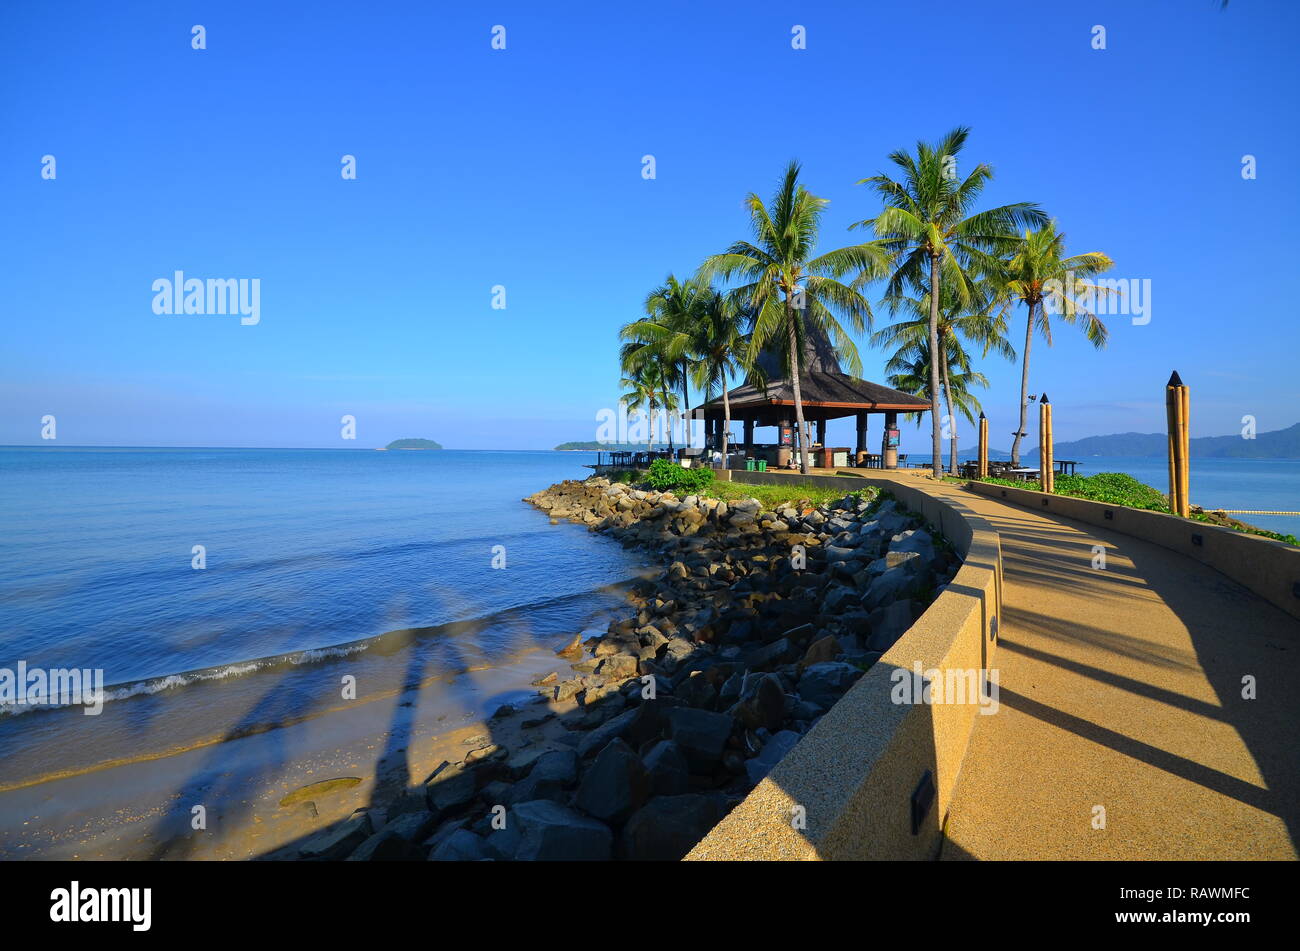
point(825, 395)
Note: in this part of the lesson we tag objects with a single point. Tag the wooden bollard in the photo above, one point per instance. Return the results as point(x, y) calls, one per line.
point(984, 448)
point(1046, 458)
point(1177, 412)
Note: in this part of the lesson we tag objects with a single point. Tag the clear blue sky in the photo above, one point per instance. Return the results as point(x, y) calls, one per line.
point(523, 168)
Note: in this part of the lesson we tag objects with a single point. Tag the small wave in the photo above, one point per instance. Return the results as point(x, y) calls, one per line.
point(404, 637)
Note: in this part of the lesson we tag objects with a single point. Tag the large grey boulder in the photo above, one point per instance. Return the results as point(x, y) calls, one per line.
point(701, 735)
point(668, 827)
point(550, 775)
point(555, 833)
point(461, 846)
point(824, 684)
point(888, 624)
point(667, 768)
point(615, 786)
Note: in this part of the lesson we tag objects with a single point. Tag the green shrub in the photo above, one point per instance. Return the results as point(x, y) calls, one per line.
point(667, 476)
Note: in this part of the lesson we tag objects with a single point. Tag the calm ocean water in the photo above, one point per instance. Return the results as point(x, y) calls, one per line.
point(313, 558)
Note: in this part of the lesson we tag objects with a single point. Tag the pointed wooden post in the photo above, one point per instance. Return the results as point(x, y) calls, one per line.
point(1177, 411)
point(984, 448)
point(1046, 457)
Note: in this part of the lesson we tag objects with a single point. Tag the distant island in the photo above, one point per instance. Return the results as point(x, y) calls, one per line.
point(594, 446)
point(1278, 444)
point(413, 444)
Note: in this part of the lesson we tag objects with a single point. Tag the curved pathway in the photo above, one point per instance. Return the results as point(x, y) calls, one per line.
point(1122, 690)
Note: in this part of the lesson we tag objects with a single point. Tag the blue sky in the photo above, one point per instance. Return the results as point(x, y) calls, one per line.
point(478, 167)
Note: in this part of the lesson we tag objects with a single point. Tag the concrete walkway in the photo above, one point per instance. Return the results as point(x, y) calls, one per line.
point(1121, 688)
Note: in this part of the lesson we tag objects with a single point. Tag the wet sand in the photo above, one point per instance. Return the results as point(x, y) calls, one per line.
point(146, 809)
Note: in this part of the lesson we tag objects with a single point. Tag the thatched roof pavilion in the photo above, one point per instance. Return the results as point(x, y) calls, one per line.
point(827, 393)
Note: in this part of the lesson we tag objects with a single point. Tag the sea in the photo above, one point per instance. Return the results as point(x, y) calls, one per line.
point(225, 592)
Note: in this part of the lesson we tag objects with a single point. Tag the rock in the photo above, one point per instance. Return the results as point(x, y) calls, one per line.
point(701, 735)
point(667, 768)
point(451, 790)
point(836, 553)
point(385, 846)
point(697, 690)
point(491, 751)
point(599, 738)
point(618, 666)
point(766, 708)
point(823, 684)
point(615, 786)
point(894, 584)
point(547, 681)
point(555, 833)
point(773, 752)
point(550, 775)
point(568, 690)
point(820, 651)
point(668, 827)
point(411, 826)
point(461, 846)
point(888, 624)
point(335, 843)
point(571, 649)
point(774, 653)
point(840, 598)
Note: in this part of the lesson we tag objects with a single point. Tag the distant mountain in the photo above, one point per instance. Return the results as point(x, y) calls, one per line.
point(592, 446)
point(413, 444)
point(1279, 444)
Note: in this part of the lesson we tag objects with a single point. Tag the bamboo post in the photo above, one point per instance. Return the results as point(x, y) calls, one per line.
point(984, 448)
point(1046, 458)
point(1177, 410)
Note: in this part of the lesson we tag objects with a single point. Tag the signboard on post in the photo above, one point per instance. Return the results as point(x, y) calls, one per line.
point(891, 438)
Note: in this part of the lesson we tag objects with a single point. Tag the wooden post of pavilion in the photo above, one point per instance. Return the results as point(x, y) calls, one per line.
point(861, 446)
point(1177, 411)
point(1046, 457)
point(984, 448)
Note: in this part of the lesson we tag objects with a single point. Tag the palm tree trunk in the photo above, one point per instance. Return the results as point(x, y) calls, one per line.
point(686, 408)
point(798, 397)
point(668, 422)
point(952, 419)
point(936, 433)
point(651, 441)
point(1024, 389)
point(726, 421)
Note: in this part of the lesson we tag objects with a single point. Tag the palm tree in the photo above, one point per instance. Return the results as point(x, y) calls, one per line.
point(927, 224)
point(724, 349)
point(910, 370)
point(646, 392)
point(667, 334)
point(1042, 278)
point(785, 289)
point(978, 324)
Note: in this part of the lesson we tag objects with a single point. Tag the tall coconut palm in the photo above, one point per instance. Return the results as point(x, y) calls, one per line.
point(1040, 276)
point(647, 392)
point(980, 324)
point(724, 349)
point(909, 370)
point(928, 224)
point(667, 333)
point(785, 288)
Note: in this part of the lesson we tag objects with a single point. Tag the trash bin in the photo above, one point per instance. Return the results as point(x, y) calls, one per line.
point(762, 465)
point(749, 465)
